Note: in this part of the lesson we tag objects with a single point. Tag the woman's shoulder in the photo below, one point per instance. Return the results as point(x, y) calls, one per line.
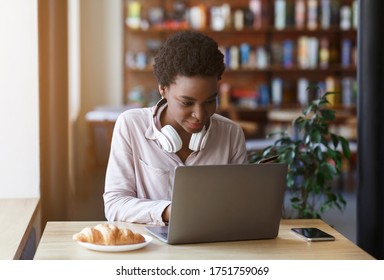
point(135, 114)
point(221, 120)
point(136, 119)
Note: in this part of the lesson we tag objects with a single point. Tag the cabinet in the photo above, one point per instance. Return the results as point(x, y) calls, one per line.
point(273, 50)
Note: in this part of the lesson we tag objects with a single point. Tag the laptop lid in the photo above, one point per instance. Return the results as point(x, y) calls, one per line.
point(212, 203)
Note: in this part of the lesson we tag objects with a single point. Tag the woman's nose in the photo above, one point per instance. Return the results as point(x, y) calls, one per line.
point(198, 113)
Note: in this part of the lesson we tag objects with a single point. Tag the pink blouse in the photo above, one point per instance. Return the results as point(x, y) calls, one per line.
point(139, 177)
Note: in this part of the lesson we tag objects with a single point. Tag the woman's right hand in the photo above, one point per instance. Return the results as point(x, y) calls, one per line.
point(166, 214)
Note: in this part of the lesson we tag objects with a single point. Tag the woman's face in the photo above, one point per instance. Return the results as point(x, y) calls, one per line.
point(191, 102)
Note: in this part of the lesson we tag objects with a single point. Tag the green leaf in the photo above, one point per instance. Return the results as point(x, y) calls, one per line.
point(298, 121)
point(345, 147)
point(328, 115)
point(335, 140)
point(291, 155)
point(309, 109)
point(329, 171)
point(316, 136)
point(318, 153)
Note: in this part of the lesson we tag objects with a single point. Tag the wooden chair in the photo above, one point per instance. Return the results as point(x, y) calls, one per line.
point(98, 148)
point(100, 136)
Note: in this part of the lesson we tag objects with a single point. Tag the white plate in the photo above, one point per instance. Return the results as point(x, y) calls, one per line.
point(117, 248)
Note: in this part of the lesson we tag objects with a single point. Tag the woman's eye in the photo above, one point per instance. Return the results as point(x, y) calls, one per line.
point(186, 103)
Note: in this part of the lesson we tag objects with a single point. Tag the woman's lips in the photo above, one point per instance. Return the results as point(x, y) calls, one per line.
point(196, 126)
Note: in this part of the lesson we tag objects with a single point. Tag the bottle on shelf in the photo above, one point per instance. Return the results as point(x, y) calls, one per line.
point(312, 15)
point(256, 9)
point(280, 14)
point(324, 55)
point(133, 19)
point(277, 91)
point(325, 14)
point(299, 14)
point(346, 53)
point(345, 17)
point(302, 96)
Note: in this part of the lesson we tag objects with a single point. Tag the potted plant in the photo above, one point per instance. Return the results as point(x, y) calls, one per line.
point(314, 156)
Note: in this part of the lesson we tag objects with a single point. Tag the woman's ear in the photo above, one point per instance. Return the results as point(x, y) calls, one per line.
point(162, 90)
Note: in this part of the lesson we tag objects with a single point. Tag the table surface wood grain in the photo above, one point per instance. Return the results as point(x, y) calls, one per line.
point(56, 243)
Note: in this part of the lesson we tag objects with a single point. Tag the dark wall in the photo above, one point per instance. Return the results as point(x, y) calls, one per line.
point(370, 75)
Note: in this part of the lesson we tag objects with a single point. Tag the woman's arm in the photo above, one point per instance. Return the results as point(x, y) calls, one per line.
point(122, 200)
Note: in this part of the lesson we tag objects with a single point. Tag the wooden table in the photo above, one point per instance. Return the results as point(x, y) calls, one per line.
point(56, 243)
point(16, 218)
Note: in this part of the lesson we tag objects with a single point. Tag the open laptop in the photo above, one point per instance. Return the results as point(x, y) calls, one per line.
point(212, 203)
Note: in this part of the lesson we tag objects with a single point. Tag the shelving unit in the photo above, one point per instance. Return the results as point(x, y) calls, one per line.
point(274, 70)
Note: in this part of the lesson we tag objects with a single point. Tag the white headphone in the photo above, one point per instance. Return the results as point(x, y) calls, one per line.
point(170, 140)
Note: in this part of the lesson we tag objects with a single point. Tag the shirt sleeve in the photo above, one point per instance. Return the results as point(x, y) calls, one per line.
point(239, 148)
point(120, 195)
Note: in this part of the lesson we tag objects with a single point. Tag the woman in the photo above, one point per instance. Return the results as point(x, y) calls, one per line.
point(182, 129)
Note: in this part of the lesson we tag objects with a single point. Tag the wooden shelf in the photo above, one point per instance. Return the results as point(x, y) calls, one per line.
point(246, 30)
point(272, 68)
point(144, 41)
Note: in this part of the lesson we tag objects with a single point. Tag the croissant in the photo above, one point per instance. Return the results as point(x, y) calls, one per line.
point(108, 234)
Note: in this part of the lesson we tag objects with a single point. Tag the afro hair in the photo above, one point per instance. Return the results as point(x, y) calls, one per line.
point(188, 53)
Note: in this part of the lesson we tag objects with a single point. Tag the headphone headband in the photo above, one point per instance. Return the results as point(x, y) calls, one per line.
point(159, 103)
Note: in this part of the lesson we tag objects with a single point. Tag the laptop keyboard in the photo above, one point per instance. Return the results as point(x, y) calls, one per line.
point(164, 235)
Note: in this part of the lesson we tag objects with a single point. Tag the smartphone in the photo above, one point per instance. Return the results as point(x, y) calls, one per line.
point(313, 234)
point(269, 159)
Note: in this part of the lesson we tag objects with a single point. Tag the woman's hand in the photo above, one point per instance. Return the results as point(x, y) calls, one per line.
point(166, 214)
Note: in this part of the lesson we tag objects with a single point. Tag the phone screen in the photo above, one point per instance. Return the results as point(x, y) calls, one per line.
point(269, 159)
point(313, 234)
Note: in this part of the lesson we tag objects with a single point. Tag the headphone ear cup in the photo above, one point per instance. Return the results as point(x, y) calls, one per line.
point(164, 142)
point(204, 140)
point(170, 139)
point(198, 140)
